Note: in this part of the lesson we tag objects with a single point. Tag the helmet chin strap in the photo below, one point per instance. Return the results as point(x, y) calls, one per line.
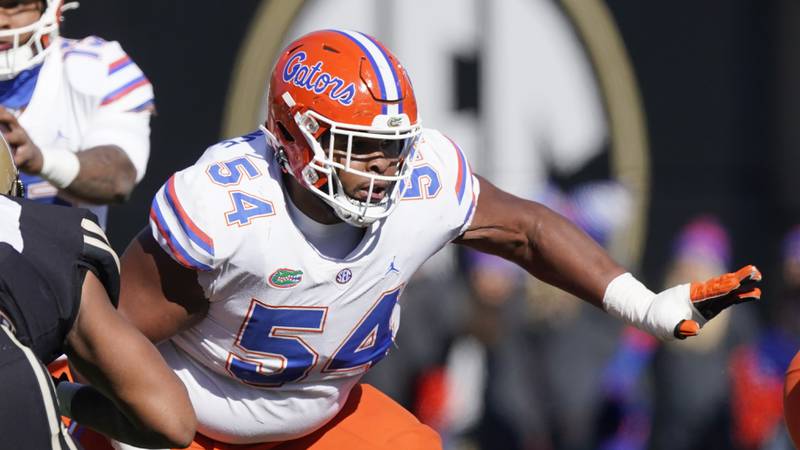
point(283, 161)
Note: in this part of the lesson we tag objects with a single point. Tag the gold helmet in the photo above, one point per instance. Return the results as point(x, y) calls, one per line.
point(9, 176)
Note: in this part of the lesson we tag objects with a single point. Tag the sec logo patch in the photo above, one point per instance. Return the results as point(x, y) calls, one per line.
point(344, 276)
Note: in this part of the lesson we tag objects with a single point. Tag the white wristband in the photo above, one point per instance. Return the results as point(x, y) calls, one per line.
point(65, 391)
point(60, 167)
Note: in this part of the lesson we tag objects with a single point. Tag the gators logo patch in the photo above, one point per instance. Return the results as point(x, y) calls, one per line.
point(285, 278)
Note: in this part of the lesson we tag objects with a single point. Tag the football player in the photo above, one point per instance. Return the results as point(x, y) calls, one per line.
point(273, 267)
point(76, 112)
point(59, 283)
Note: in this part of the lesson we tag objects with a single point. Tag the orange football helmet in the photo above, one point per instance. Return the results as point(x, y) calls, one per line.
point(349, 85)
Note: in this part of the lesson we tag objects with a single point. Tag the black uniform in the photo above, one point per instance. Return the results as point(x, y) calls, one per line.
point(45, 251)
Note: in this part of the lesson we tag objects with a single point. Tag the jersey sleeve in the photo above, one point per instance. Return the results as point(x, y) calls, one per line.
point(59, 244)
point(178, 224)
point(121, 96)
point(98, 256)
point(460, 188)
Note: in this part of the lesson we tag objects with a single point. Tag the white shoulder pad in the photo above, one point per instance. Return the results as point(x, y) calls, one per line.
point(182, 219)
point(441, 168)
point(197, 212)
point(449, 160)
point(254, 143)
point(101, 69)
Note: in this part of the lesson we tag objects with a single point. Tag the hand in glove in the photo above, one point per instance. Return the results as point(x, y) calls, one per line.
point(680, 311)
point(713, 296)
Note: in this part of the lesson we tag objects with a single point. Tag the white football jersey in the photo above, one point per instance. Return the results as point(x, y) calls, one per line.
point(88, 93)
point(289, 330)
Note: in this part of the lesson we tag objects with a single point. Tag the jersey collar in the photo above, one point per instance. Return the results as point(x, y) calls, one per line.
point(16, 93)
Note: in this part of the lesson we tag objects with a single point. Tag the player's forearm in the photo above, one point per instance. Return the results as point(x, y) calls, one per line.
point(135, 396)
point(541, 241)
point(558, 252)
point(91, 408)
point(136, 399)
point(106, 176)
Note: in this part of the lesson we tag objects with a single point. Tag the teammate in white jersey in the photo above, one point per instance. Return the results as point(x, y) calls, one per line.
point(77, 112)
point(273, 267)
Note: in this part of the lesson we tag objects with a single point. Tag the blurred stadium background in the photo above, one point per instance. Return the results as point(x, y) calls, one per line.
point(667, 130)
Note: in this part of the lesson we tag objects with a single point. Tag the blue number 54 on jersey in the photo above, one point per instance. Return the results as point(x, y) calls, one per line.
point(271, 350)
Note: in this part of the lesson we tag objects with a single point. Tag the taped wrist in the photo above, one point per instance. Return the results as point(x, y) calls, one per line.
point(657, 314)
point(65, 392)
point(60, 167)
point(628, 299)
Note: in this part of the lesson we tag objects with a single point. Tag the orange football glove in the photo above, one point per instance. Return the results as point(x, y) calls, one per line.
point(713, 296)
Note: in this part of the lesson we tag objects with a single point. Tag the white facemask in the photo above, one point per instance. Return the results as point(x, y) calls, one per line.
point(24, 55)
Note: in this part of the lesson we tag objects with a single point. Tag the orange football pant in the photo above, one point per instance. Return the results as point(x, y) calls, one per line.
point(369, 421)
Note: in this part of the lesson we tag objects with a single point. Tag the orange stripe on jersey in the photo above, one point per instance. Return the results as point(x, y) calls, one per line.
point(463, 171)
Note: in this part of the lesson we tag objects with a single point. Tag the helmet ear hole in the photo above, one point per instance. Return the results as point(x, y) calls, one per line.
point(325, 139)
point(284, 132)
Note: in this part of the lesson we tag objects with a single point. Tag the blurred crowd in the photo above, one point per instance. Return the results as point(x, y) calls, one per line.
point(516, 364)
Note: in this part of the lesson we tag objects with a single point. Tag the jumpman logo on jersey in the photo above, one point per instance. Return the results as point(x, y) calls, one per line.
point(392, 267)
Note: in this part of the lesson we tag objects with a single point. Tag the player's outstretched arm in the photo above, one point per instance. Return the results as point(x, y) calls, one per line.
point(554, 250)
point(542, 242)
point(159, 296)
point(135, 397)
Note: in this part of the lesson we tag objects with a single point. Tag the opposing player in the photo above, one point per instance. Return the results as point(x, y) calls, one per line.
point(59, 282)
point(273, 267)
point(76, 112)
